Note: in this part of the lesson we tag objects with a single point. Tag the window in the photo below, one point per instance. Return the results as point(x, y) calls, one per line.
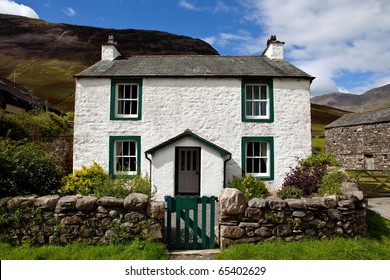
point(257, 101)
point(125, 155)
point(257, 157)
point(126, 99)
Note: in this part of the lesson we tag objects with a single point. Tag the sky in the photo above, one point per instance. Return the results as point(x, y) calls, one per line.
point(345, 44)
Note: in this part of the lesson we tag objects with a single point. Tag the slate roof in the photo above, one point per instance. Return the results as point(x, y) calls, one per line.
point(194, 66)
point(372, 117)
point(22, 95)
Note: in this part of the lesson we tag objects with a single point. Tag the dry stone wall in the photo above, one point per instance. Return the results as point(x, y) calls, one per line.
point(255, 220)
point(60, 220)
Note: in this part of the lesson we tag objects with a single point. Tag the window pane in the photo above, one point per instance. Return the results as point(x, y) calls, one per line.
point(120, 91)
point(263, 108)
point(125, 148)
point(249, 108)
point(120, 107)
point(249, 167)
point(134, 91)
point(194, 160)
point(249, 149)
point(248, 90)
point(256, 165)
point(127, 91)
point(133, 107)
point(133, 164)
point(132, 148)
point(256, 90)
point(127, 107)
point(263, 149)
point(256, 149)
point(263, 92)
point(182, 160)
point(256, 110)
point(188, 160)
point(263, 166)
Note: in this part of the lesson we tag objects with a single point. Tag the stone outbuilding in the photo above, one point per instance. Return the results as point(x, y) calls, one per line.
point(193, 122)
point(361, 140)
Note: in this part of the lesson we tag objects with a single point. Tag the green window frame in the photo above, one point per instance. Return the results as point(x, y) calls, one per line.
point(126, 99)
point(125, 155)
point(258, 157)
point(257, 100)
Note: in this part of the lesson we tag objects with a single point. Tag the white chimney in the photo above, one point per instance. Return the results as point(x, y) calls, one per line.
point(109, 50)
point(274, 48)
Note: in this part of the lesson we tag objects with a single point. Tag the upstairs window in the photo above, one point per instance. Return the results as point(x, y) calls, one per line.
point(257, 101)
point(126, 99)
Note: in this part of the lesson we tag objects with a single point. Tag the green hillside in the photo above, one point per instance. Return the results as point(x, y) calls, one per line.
point(44, 56)
point(322, 115)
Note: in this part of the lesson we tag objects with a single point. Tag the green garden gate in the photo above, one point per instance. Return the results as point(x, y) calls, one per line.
point(192, 225)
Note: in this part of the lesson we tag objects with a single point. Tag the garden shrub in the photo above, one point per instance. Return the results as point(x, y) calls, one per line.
point(36, 125)
point(331, 183)
point(289, 192)
point(85, 180)
point(250, 186)
point(94, 181)
point(28, 168)
point(308, 175)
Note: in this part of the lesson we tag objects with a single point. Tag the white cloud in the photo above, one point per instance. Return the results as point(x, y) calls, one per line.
point(187, 5)
point(328, 37)
point(70, 12)
point(13, 8)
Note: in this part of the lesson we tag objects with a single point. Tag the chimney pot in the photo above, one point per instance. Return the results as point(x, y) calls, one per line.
point(274, 49)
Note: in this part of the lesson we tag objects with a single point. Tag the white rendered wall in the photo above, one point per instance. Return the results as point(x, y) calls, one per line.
point(209, 107)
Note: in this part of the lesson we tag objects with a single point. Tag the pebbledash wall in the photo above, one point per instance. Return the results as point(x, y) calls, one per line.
point(210, 108)
point(53, 219)
point(256, 220)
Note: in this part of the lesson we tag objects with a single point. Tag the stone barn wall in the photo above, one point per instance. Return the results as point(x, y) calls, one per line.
point(355, 146)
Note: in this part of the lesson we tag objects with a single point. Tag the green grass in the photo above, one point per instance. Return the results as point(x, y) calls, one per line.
point(374, 246)
point(137, 250)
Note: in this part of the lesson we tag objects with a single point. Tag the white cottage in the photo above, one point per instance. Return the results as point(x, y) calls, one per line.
point(193, 122)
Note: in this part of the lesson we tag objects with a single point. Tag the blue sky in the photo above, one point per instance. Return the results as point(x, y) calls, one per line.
point(345, 44)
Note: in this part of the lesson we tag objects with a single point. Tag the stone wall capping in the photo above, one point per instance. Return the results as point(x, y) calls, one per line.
point(294, 203)
point(110, 201)
point(258, 203)
point(21, 201)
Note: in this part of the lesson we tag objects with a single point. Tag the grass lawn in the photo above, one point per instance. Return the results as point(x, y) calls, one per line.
point(374, 246)
point(137, 250)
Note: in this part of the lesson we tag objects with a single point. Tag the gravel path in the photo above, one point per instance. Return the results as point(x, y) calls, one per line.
point(380, 205)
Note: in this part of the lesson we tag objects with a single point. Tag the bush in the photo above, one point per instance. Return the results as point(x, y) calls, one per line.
point(94, 181)
point(306, 179)
point(308, 175)
point(250, 186)
point(289, 192)
point(86, 180)
point(331, 183)
point(36, 125)
point(27, 168)
point(320, 160)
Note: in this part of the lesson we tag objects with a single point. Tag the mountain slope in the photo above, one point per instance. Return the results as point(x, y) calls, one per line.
point(373, 99)
point(45, 56)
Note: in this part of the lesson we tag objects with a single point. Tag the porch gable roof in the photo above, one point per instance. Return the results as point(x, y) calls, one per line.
point(188, 133)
